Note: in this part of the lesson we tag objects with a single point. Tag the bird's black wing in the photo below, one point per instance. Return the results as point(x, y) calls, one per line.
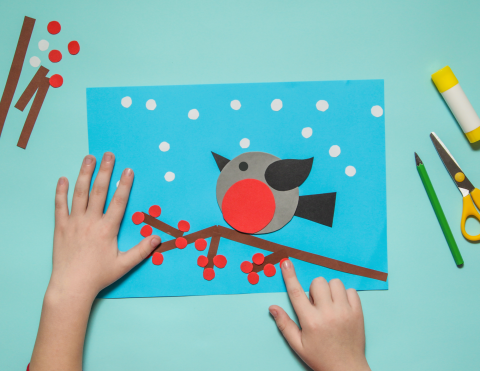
point(317, 208)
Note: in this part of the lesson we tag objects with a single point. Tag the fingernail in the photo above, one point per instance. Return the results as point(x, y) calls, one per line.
point(273, 312)
point(88, 160)
point(127, 172)
point(287, 264)
point(61, 181)
point(154, 241)
point(107, 157)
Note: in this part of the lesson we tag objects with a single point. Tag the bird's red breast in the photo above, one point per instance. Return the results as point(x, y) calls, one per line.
point(248, 205)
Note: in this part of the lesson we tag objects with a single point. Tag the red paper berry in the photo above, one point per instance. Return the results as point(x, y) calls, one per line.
point(54, 27)
point(146, 231)
point(208, 274)
point(73, 47)
point(246, 267)
point(56, 81)
point(155, 211)
point(253, 278)
point(269, 270)
point(200, 244)
point(202, 261)
point(181, 242)
point(258, 258)
point(281, 261)
point(55, 56)
point(184, 226)
point(138, 218)
point(220, 261)
point(157, 258)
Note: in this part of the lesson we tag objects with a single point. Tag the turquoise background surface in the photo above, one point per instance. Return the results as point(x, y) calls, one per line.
point(427, 320)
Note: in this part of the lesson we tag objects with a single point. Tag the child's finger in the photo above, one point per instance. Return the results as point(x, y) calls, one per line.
point(80, 194)
point(287, 327)
point(354, 300)
point(297, 296)
point(339, 294)
point(320, 291)
point(98, 195)
point(139, 253)
point(116, 209)
point(61, 203)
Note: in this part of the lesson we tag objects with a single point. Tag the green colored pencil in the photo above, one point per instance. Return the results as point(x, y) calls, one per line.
point(438, 211)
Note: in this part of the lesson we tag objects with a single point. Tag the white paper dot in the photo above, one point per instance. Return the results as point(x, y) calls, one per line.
point(235, 104)
point(127, 102)
point(322, 105)
point(307, 132)
point(43, 45)
point(169, 176)
point(245, 143)
point(377, 111)
point(118, 183)
point(276, 105)
point(35, 61)
point(151, 104)
point(164, 146)
point(350, 171)
point(193, 114)
point(334, 151)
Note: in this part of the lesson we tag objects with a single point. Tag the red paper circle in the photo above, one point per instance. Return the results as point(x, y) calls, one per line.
point(200, 244)
point(269, 270)
point(157, 258)
point(155, 211)
point(281, 261)
point(146, 231)
point(246, 267)
point(220, 261)
point(208, 274)
point(56, 81)
point(202, 261)
point(248, 205)
point(184, 226)
point(54, 27)
point(55, 56)
point(73, 47)
point(181, 242)
point(253, 278)
point(258, 258)
point(138, 218)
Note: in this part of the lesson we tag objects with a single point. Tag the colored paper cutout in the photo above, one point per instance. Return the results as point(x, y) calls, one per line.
point(157, 258)
point(284, 175)
point(56, 81)
point(73, 47)
point(154, 211)
point(55, 56)
point(54, 27)
point(317, 208)
point(258, 258)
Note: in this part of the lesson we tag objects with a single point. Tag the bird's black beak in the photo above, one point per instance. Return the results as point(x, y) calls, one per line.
point(220, 160)
point(284, 175)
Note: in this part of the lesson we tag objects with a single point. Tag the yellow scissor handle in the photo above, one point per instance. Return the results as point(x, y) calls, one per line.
point(469, 210)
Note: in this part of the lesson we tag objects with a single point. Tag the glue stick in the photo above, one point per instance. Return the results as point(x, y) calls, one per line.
point(447, 84)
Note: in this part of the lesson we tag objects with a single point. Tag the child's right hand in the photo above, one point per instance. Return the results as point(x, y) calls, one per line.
point(332, 337)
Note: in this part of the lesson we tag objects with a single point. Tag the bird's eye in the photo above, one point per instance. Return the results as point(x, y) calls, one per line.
point(243, 166)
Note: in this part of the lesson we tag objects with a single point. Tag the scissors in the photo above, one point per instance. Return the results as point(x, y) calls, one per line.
point(471, 195)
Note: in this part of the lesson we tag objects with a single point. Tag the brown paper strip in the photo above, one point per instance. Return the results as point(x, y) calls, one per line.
point(191, 238)
point(212, 250)
point(270, 259)
point(31, 88)
point(161, 226)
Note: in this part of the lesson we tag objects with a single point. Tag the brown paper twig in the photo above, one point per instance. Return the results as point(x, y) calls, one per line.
point(212, 250)
point(31, 88)
point(161, 226)
point(274, 258)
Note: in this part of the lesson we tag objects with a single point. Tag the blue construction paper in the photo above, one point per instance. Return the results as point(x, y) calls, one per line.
point(359, 232)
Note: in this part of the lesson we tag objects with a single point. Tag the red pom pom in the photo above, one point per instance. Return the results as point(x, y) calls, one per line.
point(258, 258)
point(73, 47)
point(155, 211)
point(220, 261)
point(208, 274)
point(281, 261)
point(184, 226)
point(269, 270)
point(202, 261)
point(200, 244)
point(56, 81)
point(138, 218)
point(181, 242)
point(157, 258)
point(55, 56)
point(246, 267)
point(54, 27)
point(146, 231)
point(253, 278)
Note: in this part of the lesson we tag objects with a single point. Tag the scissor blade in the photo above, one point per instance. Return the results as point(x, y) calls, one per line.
point(451, 165)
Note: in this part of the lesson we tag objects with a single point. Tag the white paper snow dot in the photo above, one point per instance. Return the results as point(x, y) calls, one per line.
point(193, 114)
point(276, 105)
point(350, 171)
point(43, 45)
point(127, 102)
point(164, 146)
point(35, 61)
point(245, 143)
point(151, 104)
point(118, 183)
point(169, 176)
point(307, 132)
point(334, 151)
point(377, 111)
point(322, 105)
point(235, 104)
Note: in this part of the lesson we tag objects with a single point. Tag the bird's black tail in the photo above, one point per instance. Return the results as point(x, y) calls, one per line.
point(317, 208)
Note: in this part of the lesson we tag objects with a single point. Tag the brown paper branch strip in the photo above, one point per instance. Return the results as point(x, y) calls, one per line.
point(161, 226)
point(212, 250)
point(191, 238)
point(270, 259)
point(32, 87)
point(15, 69)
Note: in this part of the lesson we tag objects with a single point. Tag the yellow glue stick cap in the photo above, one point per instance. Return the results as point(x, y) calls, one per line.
point(444, 79)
